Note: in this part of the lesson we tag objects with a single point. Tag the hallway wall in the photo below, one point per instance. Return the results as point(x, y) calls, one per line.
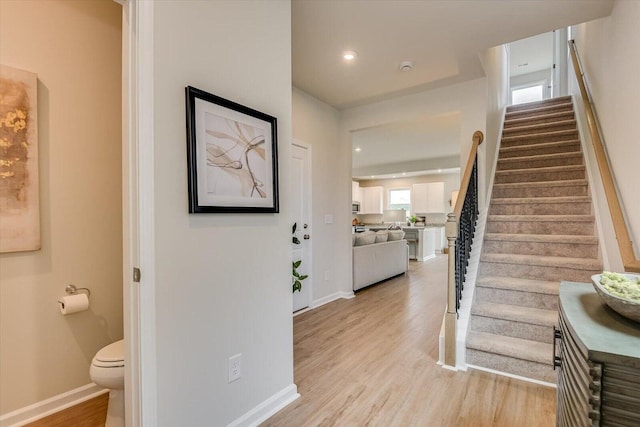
point(223, 281)
point(75, 48)
point(608, 49)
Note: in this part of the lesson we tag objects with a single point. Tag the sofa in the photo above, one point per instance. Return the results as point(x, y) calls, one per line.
point(378, 256)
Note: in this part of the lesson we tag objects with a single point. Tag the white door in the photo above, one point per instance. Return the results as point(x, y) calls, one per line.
point(301, 202)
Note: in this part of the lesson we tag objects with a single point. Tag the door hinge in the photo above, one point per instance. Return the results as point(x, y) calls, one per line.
point(136, 274)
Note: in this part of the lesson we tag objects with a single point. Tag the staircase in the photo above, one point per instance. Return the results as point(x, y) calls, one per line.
point(540, 230)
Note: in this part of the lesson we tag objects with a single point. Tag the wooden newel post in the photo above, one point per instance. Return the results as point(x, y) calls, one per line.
point(451, 230)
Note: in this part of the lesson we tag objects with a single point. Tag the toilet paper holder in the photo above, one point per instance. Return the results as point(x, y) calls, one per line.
point(72, 289)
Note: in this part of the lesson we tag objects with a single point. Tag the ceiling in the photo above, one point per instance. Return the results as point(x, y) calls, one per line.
point(531, 54)
point(443, 39)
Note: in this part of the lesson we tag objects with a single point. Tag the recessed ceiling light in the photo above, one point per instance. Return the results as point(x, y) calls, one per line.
point(439, 170)
point(349, 55)
point(373, 176)
point(358, 149)
point(404, 174)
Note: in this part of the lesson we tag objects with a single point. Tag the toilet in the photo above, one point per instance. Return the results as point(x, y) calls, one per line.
point(107, 370)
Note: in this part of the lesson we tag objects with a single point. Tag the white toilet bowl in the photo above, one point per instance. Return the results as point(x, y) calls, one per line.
point(107, 370)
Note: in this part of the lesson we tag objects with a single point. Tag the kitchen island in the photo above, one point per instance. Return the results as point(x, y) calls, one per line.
point(421, 242)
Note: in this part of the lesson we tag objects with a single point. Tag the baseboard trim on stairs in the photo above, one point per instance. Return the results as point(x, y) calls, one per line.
point(517, 377)
point(267, 408)
point(51, 405)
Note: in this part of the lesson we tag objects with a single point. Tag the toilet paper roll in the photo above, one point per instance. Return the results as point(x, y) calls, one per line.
point(73, 303)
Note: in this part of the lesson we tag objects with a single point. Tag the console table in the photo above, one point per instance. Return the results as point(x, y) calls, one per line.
point(599, 360)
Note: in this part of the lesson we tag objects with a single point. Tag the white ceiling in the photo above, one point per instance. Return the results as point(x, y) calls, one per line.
point(442, 37)
point(531, 54)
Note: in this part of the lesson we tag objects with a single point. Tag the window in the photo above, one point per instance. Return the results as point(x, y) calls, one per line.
point(527, 94)
point(400, 198)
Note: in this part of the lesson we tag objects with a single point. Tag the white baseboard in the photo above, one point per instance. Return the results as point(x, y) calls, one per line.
point(329, 298)
point(50, 406)
point(267, 408)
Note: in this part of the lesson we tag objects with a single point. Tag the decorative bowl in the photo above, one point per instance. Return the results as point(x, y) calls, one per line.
point(624, 307)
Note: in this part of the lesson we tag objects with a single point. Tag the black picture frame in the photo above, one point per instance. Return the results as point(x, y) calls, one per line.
point(232, 156)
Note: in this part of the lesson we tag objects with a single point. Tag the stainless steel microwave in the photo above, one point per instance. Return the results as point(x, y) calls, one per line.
point(355, 207)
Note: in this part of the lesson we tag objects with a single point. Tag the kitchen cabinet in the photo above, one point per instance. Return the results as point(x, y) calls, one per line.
point(356, 192)
point(599, 360)
point(427, 198)
point(371, 202)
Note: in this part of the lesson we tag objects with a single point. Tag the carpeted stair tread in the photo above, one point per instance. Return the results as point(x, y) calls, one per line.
point(518, 348)
point(543, 261)
point(542, 238)
point(538, 146)
point(547, 116)
point(516, 313)
point(541, 157)
point(540, 218)
point(543, 184)
point(540, 200)
point(539, 127)
point(518, 284)
point(570, 134)
point(566, 100)
point(541, 169)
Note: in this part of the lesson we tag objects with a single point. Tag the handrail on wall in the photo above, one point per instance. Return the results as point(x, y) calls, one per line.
point(458, 228)
point(629, 260)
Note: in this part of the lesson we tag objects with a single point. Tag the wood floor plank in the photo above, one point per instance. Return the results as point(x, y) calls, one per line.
point(91, 413)
point(371, 361)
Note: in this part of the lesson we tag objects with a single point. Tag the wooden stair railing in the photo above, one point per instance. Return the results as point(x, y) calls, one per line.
point(629, 260)
point(460, 227)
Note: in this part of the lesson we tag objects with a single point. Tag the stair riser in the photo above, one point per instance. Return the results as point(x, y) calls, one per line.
point(571, 250)
point(513, 297)
point(536, 272)
point(533, 151)
point(566, 208)
point(549, 127)
point(566, 160)
point(513, 329)
point(538, 139)
point(538, 119)
point(536, 176)
point(541, 227)
point(510, 365)
point(561, 191)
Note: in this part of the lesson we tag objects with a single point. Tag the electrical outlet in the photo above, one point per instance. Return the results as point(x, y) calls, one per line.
point(235, 367)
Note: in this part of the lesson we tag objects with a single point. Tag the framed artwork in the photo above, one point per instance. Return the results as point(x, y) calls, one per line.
point(231, 155)
point(19, 188)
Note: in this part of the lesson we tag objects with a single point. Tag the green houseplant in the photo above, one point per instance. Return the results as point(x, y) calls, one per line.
point(296, 277)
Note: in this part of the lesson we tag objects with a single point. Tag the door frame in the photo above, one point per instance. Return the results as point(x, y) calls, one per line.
point(138, 218)
point(309, 203)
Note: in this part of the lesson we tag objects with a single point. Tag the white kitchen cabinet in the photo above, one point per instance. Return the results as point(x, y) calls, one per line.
point(427, 198)
point(371, 202)
point(356, 192)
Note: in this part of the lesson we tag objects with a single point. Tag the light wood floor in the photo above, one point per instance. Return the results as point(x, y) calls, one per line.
point(371, 361)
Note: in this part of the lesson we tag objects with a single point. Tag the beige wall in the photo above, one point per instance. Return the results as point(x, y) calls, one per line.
point(608, 49)
point(75, 48)
point(316, 124)
point(223, 281)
